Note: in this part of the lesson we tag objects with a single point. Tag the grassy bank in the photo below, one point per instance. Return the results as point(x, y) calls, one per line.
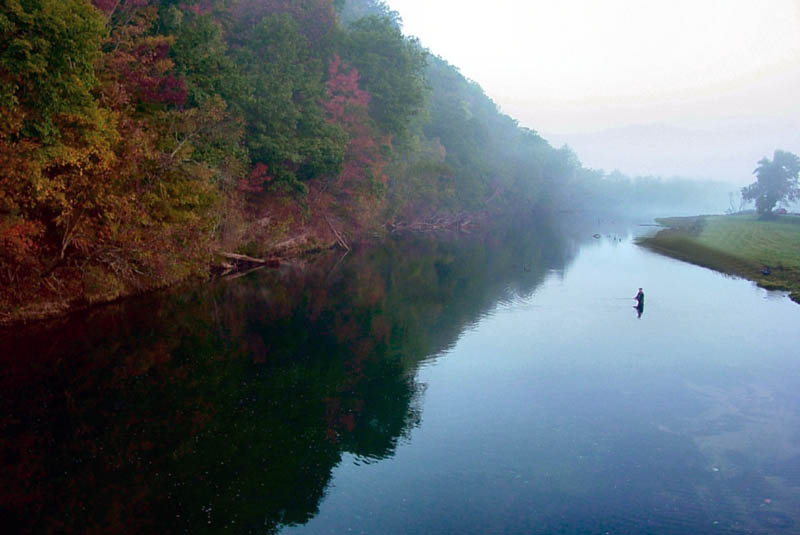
point(739, 245)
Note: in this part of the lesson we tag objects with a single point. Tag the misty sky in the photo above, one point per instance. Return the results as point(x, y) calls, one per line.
point(570, 66)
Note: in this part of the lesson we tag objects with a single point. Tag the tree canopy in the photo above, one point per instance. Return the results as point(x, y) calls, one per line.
point(777, 180)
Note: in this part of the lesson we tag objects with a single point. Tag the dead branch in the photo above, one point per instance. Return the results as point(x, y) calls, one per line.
point(339, 238)
point(243, 258)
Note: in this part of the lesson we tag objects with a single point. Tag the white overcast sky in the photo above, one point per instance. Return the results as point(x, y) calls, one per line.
point(569, 66)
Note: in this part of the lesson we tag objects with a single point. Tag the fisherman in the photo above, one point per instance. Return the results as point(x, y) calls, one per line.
point(639, 302)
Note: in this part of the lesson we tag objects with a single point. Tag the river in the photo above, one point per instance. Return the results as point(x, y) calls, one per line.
point(500, 382)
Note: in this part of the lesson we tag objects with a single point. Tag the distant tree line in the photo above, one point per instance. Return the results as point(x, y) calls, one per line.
point(649, 195)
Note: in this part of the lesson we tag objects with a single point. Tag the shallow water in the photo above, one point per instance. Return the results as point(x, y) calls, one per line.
point(496, 383)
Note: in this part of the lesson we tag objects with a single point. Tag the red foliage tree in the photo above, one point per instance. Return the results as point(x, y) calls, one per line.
point(140, 63)
point(255, 180)
point(347, 105)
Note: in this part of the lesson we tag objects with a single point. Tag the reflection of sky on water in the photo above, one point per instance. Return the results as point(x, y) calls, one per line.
point(491, 383)
point(240, 397)
point(563, 411)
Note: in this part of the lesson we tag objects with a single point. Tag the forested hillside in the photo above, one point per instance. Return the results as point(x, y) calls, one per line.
point(141, 137)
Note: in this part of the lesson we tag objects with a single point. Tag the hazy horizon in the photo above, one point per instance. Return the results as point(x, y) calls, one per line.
point(577, 67)
point(726, 153)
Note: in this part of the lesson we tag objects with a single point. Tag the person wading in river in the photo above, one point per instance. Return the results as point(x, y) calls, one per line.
point(639, 302)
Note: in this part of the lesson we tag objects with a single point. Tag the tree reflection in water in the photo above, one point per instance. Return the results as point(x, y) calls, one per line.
point(228, 406)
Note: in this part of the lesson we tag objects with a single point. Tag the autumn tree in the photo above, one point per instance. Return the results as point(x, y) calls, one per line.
point(361, 184)
point(53, 135)
point(176, 147)
point(347, 105)
point(286, 130)
point(391, 68)
point(111, 171)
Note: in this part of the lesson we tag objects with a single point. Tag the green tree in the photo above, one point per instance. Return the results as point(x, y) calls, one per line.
point(350, 10)
point(776, 181)
point(285, 124)
point(201, 59)
point(47, 52)
point(391, 68)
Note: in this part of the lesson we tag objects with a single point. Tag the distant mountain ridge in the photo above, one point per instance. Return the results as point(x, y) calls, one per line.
point(726, 153)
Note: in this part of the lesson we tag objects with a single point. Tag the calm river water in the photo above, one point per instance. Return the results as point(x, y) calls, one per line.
point(500, 382)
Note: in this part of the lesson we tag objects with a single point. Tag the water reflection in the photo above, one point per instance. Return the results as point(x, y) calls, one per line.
point(562, 413)
point(229, 406)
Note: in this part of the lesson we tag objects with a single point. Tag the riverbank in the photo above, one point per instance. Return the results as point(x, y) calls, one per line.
point(279, 232)
point(220, 264)
point(741, 245)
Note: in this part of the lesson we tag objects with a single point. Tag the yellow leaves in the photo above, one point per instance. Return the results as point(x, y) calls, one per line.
point(11, 118)
point(113, 175)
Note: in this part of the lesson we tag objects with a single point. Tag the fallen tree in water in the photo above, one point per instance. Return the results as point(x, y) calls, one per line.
point(240, 262)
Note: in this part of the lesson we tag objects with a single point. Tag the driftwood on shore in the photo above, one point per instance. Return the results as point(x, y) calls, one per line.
point(243, 258)
point(250, 259)
point(240, 263)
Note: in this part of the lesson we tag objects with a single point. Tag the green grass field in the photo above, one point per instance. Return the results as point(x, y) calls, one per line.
point(736, 244)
